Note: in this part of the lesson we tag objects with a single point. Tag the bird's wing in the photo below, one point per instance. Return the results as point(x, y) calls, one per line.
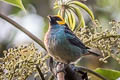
point(73, 39)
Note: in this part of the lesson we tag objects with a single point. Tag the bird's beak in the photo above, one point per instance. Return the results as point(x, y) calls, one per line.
point(49, 17)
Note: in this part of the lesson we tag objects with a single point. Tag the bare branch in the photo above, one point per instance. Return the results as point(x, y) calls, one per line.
point(90, 71)
point(37, 40)
point(40, 73)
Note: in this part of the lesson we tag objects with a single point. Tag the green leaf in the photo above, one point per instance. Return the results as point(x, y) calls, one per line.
point(73, 20)
point(79, 4)
point(108, 73)
point(69, 16)
point(59, 12)
point(17, 3)
point(76, 10)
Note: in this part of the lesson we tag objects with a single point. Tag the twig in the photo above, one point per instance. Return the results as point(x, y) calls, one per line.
point(40, 73)
point(71, 74)
point(23, 30)
point(63, 11)
point(102, 37)
point(90, 71)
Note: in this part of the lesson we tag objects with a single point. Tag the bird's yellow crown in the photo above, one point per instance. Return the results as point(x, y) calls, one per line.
point(62, 21)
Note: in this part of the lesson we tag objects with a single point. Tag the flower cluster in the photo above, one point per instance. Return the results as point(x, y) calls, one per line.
point(21, 62)
point(106, 40)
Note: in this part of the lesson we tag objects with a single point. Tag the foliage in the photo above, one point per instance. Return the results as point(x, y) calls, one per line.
point(17, 3)
point(21, 62)
point(107, 41)
point(69, 10)
point(109, 73)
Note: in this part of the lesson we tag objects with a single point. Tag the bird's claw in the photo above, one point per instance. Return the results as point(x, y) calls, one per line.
point(60, 67)
point(59, 71)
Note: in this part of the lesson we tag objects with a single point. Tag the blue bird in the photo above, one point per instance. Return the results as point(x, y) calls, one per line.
point(62, 44)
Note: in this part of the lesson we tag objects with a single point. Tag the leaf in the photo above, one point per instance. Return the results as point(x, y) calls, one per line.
point(80, 17)
point(72, 19)
point(56, 6)
point(108, 73)
point(17, 3)
point(79, 4)
point(69, 18)
point(82, 23)
point(59, 12)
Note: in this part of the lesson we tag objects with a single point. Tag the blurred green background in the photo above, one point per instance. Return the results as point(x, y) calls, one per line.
point(35, 21)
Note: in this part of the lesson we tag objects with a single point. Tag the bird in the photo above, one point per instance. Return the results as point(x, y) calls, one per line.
point(62, 44)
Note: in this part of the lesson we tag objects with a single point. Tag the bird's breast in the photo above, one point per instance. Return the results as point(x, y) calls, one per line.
point(55, 41)
point(59, 47)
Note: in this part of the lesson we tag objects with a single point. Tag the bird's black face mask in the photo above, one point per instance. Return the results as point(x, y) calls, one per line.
point(56, 20)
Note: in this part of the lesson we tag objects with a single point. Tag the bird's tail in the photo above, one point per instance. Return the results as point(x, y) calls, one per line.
point(93, 53)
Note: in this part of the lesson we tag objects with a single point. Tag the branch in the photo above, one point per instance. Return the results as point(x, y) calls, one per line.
point(63, 11)
point(102, 37)
point(67, 73)
point(40, 73)
point(37, 40)
point(90, 71)
point(71, 75)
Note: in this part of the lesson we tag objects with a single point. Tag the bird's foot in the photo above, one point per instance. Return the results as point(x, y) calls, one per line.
point(59, 71)
point(60, 67)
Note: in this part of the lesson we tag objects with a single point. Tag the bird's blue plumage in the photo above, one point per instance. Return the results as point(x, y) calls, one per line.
point(73, 39)
point(60, 46)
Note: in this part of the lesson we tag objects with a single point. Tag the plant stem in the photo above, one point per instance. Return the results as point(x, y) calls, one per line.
point(63, 11)
point(102, 37)
point(37, 40)
point(93, 72)
point(40, 73)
